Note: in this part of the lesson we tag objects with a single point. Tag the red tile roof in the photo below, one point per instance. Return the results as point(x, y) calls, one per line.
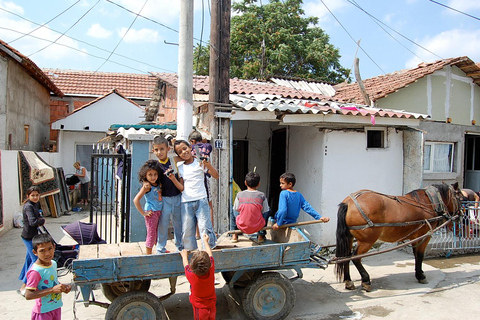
point(239, 86)
point(379, 87)
point(30, 67)
point(89, 83)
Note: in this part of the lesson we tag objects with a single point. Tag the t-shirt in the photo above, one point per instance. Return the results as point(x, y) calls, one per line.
point(168, 188)
point(85, 178)
point(193, 175)
point(202, 288)
point(289, 206)
point(250, 204)
point(40, 278)
point(152, 199)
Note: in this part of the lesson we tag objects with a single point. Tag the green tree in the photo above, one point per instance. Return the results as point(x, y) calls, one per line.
point(276, 39)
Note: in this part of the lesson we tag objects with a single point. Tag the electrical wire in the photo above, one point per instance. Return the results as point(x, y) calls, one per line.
point(352, 37)
point(66, 30)
point(124, 35)
point(58, 15)
point(456, 10)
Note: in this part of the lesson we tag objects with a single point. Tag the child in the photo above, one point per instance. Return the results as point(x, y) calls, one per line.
point(195, 207)
point(42, 281)
point(172, 200)
point(149, 175)
point(290, 203)
point(250, 209)
point(32, 219)
point(201, 275)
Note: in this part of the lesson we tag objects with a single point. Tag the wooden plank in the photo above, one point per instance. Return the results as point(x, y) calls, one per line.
point(51, 204)
point(108, 250)
point(88, 252)
point(130, 249)
point(44, 206)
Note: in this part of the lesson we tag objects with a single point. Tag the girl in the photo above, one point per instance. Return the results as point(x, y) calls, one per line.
point(195, 208)
point(32, 219)
point(149, 175)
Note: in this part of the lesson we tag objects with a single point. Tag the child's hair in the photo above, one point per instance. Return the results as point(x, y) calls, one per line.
point(252, 179)
point(40, 239)
point(200, 263)
point(179, 142)
point(147, 166)
point(32, 189)
point(289, 178)
point(196, 136)
point(160, 140)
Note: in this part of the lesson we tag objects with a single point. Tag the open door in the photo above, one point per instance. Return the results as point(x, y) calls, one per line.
point(472, 162)
point(278, 155)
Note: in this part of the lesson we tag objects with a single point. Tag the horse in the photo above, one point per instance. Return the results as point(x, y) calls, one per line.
point(369, 216)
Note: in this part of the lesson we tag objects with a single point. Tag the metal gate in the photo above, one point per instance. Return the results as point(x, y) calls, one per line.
point(110, 196)
point(461, 236)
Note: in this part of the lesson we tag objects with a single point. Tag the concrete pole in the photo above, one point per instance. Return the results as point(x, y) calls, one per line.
point(185, 71)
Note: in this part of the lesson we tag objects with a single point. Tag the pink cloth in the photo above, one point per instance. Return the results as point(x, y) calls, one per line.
point(51, 315)
point(152, 223)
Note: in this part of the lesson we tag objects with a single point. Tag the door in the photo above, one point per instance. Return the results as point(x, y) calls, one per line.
point(278, 155)
point(472, 162)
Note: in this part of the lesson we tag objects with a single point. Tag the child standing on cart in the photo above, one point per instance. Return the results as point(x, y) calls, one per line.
point(201, 275)
point(149, 175)
point(42, 281)
point(171, 195)
point(290, 203)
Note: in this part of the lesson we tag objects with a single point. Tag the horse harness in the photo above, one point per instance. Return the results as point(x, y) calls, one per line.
point(434, 196)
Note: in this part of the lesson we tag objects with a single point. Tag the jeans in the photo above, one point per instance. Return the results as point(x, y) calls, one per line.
point(30, 259)
point(233, 223)
point(194, 212)
point(172, 209)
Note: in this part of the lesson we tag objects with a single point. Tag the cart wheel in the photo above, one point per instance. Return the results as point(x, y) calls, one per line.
point(244, 279)
point(136, 305)
point(115, 289)
point(269, 297)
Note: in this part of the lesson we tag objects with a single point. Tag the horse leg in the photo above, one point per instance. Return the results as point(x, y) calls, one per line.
point(362, 248)
point(418, 252)
point(349, 285)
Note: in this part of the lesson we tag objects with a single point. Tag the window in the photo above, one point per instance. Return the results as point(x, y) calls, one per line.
point(26, 130)
point(438, 157)
point(376, 138)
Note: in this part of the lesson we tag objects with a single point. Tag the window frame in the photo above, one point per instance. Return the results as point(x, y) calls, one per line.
point(383, 131)
point(432, 145)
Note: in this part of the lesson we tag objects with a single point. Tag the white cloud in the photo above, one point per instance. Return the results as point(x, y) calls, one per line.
point(139, 36)
point(464, 5)
point(317, 8)
point(448, 44)
point(10, 6)
point(97, 31)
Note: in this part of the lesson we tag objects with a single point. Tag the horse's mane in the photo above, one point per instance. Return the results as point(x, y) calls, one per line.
point(443, 189)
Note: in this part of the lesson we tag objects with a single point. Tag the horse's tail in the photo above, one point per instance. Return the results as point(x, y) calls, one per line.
point(344, 240)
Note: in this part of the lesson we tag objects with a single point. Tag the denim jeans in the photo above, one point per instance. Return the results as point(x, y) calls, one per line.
point(233, 223)
point(172, 209)
point(193, 213)
point(30, 259)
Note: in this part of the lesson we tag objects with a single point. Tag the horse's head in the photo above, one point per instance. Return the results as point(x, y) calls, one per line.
point(455, 196)
point(458, 192)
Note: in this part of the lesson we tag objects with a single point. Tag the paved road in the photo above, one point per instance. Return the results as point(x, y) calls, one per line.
point(452, 292)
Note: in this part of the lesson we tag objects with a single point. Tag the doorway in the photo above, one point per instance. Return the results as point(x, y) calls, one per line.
point(472, 162)
point(278, 156)
point(240, 161)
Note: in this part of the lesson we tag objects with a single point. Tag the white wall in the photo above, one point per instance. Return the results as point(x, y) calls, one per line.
point(10, 194)
point(330, 165)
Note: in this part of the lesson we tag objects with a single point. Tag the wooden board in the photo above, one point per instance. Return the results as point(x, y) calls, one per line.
point(88, 252)
point(130, 249)
point(109, 250)
point(51, 205)
point(45, 208)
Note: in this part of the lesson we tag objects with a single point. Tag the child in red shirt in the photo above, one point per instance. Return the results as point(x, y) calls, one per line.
point(201, 275)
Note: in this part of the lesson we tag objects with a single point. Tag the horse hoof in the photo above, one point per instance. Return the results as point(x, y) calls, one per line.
point(349, 285)
point(366, 287)
point(423, 281)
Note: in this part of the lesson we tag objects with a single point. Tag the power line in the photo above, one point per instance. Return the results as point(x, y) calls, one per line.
point(78, 40)
point(66, 30)
point(444, 5)
point(352, 37)
point(124, 35)
point(58, 15)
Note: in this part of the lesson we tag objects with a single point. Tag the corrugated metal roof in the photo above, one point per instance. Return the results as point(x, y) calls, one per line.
point(309, 86)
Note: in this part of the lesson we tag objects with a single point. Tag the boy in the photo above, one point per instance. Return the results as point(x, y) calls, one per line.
point(42, 281)
point(201, 275)
point(250, 209)
point(195, 207)
point(171, 183)
point(290, 203)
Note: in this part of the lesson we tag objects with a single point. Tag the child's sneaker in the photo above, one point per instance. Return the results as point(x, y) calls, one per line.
point(261, 239)
point(234, 238)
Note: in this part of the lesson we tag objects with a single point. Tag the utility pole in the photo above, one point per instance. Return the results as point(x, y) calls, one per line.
point(185, 71)
point(219, 96)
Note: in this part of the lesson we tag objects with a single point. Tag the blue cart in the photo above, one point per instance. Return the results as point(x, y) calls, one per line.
point(125, 272)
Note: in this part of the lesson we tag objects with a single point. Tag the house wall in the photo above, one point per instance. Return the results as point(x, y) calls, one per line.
point(3, 103)
point(331, 164)
point(27, 103)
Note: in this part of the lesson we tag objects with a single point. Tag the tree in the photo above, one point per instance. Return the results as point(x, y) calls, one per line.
point(276, 39)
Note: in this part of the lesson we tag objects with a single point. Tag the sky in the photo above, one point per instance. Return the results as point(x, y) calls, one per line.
point(109, 36)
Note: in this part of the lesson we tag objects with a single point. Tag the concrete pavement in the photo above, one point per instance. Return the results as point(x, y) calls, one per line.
point(452, 291)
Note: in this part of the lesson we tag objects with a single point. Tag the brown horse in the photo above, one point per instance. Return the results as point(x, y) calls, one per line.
point(369, 216)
